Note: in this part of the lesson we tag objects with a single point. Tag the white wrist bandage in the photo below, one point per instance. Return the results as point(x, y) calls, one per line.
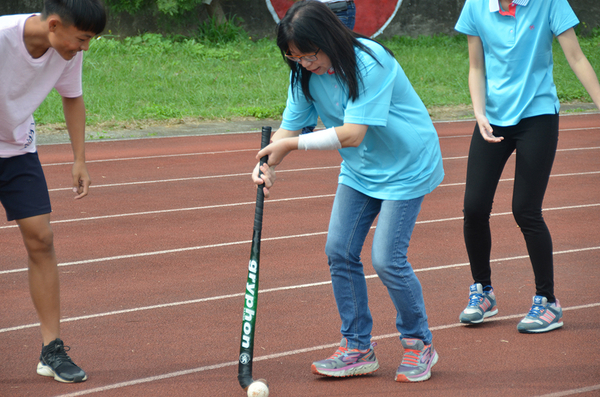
point(319, 140)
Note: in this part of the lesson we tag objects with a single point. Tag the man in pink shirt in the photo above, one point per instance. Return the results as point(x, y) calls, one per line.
point(41, 52)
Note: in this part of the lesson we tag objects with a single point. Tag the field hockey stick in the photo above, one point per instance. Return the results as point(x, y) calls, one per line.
point(251, 296)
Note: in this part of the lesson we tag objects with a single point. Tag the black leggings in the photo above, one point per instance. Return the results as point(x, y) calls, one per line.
point(535, 140)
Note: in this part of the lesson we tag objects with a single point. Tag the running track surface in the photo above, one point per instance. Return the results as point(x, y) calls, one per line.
point(154, 261)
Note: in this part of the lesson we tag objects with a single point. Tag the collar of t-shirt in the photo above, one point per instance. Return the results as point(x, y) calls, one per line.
point(495, 6)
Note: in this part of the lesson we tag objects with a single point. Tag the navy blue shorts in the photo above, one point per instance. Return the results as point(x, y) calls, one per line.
point(23, 188)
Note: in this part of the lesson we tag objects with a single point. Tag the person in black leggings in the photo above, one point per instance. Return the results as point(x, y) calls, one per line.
point(516, 107)
point(535, 140)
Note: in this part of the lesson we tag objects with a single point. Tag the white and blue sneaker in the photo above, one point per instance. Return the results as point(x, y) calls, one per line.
point(481, 304)
point(542, 317)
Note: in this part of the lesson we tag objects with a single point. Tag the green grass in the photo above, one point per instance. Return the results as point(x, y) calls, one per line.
point(437, 67)
point(152, 78)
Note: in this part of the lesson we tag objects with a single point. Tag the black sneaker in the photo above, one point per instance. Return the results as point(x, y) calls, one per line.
point(55, 362)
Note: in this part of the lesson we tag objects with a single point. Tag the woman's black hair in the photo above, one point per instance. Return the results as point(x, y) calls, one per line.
point(310, 26)
point(85, 15)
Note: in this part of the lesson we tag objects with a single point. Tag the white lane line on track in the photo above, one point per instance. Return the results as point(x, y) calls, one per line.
point(194, 178)
point(270, 290)
point(254, 149)
point(162, 156)
point(577, 149)
point(302, 351)
point(93, 218)
point(569, 207)
point(247, 175)
point(579, 129)
point(177, 250)
point(558, 150)
point(572, 391)
point(242, 203)
point(245, 150)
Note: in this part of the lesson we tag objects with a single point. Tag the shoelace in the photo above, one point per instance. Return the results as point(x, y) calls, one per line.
point(535, 311)
point(475, 299)
point(343, 350)
point(58, 355)
point(339, 352)
point(411, 357)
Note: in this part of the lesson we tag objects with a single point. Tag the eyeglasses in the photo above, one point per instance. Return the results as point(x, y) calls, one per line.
point(309, 58)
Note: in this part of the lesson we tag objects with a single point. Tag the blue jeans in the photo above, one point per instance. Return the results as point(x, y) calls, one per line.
point(351, 218)
point(347, 16)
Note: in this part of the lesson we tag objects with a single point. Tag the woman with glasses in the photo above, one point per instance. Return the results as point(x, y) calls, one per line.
point(391, 160)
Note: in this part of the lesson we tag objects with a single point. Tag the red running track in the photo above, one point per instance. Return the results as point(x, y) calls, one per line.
point(153, 268)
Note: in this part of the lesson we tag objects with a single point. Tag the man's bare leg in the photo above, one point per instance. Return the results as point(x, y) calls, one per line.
point(44, 284)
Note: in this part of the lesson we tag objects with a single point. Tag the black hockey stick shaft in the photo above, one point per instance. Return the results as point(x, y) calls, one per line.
point(251, 295)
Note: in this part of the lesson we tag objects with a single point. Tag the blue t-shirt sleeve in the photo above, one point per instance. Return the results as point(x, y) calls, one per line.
point(299, 112)
point(372, 107)
point(466, 23)
point(562, 17)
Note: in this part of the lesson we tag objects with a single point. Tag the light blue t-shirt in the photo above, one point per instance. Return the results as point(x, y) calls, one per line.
point(399, 157)
point(518, 55)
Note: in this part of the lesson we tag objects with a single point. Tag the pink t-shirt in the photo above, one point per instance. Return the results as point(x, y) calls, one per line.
point(25, 82)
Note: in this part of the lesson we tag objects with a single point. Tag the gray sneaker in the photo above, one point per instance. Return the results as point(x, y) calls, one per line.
point(542, 317)
point(55, 362)
point(346, 362)
point(482, 304)
point(417, 361)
